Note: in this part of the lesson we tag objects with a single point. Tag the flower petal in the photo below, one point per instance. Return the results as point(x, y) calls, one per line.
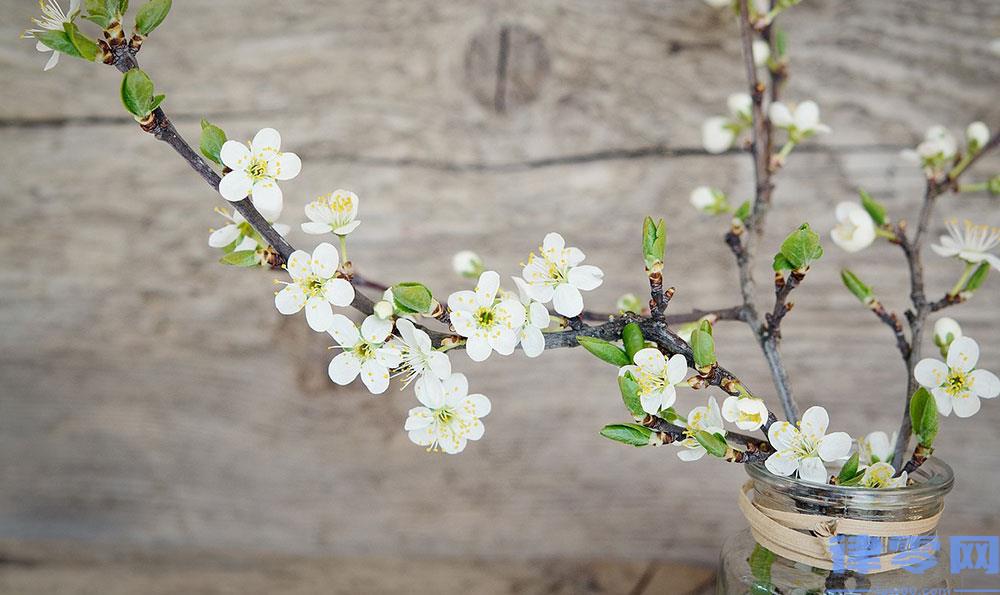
point(344, 368)
point(814, 423)
point(290, 299)
point(780, 115)
point(476, 405)
point(942, 400)
point(486, 288)
point(812, 469)
point(963, 354)
point(834, 446)
point(375, 376)
point(807, 115)
point(424, 436)
point(478, 347)
point(463, 322)
point(651, 402)
point(266, 140)
point(235, 186)
point(375, 329)
point(538, 316)
point(462, 301)
point(223, 236)
point(930, 373)
point(389, 356)
point(343, 331)
point(285, 166)
point(439, 364)
point(691, 454)
point(266, 196)
point(676, 368)
point(235, 155)
point(965, 404)
point(318, 314)
point(782, 463)
point(315, 228)
point(782, 435)
point(338, 292)
point(298, 264)
point(455, 388)
point(511, 312)
point(585, 277)
point(504, 342)
point(325, 260)
point(553, 245)
point(532, 341)
point(429, 392)
point(650, 360)
point(567, 300)
point(985, 384)
point(419, 417)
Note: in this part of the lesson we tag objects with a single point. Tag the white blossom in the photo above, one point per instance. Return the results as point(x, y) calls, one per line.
point(971, 243)
point(977, 135)
point(855, 229)
point(557, 276)
point(876, 447)
point(256, 170)
point(315, 286)
point(704, 419)
point(657, 377)
point(956, 384)
point(761, 52)
point(937, 149)
point(740, 106)
point(946, 330)
point(801, 123)
point(804, 449)
point(238, 230)
point(366, 353)
point(709, 200)
point(748, 413)
point(467, 264)
point(53, 19)
point(490, 324)
point(384, 309)
point(880, 475)
point(332, 213)
point(718, 134)
point(419, 358)
point(449, 417)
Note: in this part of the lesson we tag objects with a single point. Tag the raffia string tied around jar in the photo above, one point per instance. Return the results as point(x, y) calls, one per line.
point(808, 538)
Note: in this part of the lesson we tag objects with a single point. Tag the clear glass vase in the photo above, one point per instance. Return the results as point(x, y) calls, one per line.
point(748, 568)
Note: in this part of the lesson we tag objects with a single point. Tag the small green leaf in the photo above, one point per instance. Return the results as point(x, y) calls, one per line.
point(137, 93)
point(654, 241)
point(853, 480)
point(630, 394)
point(924, 416)
point(857, 287)
point(412, 297)
point(151, 15)
point(86, 48)
point(633, 340)
point(605, 351)
point(715, 444)
point(241, 258)
point(781, 263)
point(874, 208)
point(632, 434)
point(703, 348)
point(799, 249)
point(212, 139)
point(743, 212)
point(122, 6)
point(977, 277)
point(58, 41)
point(781, 43)
point(849, 470)
point(97, 13)
point(156, 102)
point(706, 326)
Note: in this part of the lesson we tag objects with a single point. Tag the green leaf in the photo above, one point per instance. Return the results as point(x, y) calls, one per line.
point(654, 241)
point(781, 263)
point(853, 480)
point(58, 41)
point(137, 93)
point(86, 48)
point(781, 43)
point(857, 287)
point(156, 102)
point(97, 13)
point(849, 470)
point(212, 139)
point(924, 416)
point(703, 348)
point(632, 434)
point(122, 6)
point(630, 394)
point(151, 15)
point(633, 340)
point(760, 561)
point(874, 208)
point(799, 249)
point(715, 444)
point(977, 277)
point(412, 297)
point(608, 352)
point(743, 212)
point(241, 258)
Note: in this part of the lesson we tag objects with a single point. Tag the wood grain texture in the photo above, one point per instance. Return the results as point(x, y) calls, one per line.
point(153, 397)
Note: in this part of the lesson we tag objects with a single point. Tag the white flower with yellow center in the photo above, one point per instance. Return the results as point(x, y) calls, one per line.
point(449, 416)
point(801, 123)
point(332, 213)
point(557, 276)
point(657, 378)
point(315, 286)
point(880, 475)
point(876, 447)
point(971, 243)
point(366, 353)
point(490, 324)
point(748, 413)
point(957, 385)
point(804, 449)
point(855, 228)
point(705, 419)
point(53, 18)
point(537, 319)
point(419, 357)
point(256, 170)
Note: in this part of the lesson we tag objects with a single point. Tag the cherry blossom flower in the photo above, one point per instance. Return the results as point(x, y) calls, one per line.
point(801, 123)
point(855, 228)
point(558, 276)
point(748, 413)
point(705, 419)
point(804, 449)
point(53, 19)
point(718, 133)
point(315, 286)
point(449, 417)
point(418, 355)
point(537, 319)
point(972, 243)
point(332, 213)
point(876, 447)
point(257, 169)
point(490, 324)
point(880, 475)
point(937, 149)
point(709, 200)
point(238, 230)
point(467, 264)
point(977, 135)
point(366, 353)
point(657, 378)
point(957, 385)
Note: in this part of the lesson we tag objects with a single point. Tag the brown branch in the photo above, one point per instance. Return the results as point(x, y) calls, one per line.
point(782, 288)
point(891, 319)
point(754, 450)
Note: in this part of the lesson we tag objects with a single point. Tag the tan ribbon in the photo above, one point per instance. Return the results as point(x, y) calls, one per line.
point(805, 538)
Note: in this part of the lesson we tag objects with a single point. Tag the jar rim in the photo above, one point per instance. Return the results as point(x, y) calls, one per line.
point(934, 478)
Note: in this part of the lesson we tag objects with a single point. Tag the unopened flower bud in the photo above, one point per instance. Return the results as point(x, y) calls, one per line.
point(976, 136)
point(467, 264)
point(709, 200)
point(946, 330)
point(761, 52)
point(383, 309)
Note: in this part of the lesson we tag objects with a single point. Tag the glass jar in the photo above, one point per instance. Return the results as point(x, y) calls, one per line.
point(748, 568)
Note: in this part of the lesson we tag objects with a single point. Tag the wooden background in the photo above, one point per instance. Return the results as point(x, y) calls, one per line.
point(150, 397)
